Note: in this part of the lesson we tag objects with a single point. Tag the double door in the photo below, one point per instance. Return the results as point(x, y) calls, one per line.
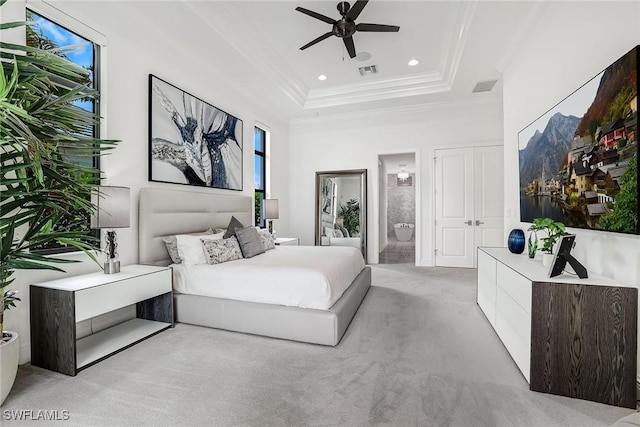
point(469, 203)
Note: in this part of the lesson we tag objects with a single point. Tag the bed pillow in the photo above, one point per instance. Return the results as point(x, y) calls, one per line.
point(267, 239)
point(338, 232)
point(233, 226)
point(329, 232)
point(172, 245)
point(222, 250)
point(250, 242)
point(190, 248)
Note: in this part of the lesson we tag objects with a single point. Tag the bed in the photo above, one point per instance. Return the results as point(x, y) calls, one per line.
point(190, 212)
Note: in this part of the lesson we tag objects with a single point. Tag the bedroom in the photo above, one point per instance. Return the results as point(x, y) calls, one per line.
point(303, 146)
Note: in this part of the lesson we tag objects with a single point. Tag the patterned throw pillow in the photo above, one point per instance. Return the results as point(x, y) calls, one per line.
point(223, 250)
point(250, 242)
point(267, 239)
point(171, 244)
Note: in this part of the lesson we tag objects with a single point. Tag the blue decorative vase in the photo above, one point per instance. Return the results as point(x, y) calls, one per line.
point(516, 241)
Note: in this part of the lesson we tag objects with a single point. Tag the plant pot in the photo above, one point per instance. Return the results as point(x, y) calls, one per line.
point(8, 364)
point(547, 259)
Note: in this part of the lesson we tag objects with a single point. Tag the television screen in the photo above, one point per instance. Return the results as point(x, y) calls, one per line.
point(578, 162)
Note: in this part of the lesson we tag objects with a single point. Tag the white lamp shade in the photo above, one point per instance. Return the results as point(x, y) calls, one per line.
point(113, 207)
point(271, 209)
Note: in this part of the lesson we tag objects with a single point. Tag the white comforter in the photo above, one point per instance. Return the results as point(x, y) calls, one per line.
point(299, 276)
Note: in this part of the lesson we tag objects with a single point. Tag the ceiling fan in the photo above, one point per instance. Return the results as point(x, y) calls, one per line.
point(345, 27)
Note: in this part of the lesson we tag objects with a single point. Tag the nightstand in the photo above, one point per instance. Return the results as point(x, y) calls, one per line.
point(57, 306)
point(291, 241)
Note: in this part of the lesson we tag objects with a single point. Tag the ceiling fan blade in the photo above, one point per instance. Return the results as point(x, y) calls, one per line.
point(319, 39)
point(348, 43)
point(316, 15)
point(379, 28)
point(355, 10)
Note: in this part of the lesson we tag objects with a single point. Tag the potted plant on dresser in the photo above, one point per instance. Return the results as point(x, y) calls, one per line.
point(44, 196)
point(553, 230)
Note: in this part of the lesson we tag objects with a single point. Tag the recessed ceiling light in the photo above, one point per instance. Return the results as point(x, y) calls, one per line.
point(322, 77)
point(413, 62)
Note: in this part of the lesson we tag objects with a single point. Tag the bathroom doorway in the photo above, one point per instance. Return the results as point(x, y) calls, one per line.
point(397, 210)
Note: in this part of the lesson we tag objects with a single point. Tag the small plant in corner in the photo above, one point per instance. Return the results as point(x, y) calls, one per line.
point(553, 229)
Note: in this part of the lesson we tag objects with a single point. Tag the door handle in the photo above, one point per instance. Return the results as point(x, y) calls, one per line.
point(478, 222)
point(468, 222)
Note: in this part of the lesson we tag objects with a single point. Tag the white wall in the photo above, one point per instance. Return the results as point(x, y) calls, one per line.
point(355, 141)
point(142, 38)
point(567, 47)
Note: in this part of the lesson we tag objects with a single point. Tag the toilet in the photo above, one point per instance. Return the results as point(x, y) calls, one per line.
point(404, 231)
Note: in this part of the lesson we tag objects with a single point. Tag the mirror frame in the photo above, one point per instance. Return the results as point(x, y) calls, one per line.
point(362, 174)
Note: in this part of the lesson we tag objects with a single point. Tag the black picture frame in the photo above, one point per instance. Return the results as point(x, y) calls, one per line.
point(191, 142)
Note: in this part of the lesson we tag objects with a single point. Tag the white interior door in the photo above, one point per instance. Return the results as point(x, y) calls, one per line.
point(454, 207)
point(469, 203)
point(489, 197)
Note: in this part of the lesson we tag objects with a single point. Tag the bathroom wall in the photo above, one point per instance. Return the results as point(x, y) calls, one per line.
point(401, 202)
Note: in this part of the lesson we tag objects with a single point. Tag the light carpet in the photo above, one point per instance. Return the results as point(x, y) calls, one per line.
point(418, 353)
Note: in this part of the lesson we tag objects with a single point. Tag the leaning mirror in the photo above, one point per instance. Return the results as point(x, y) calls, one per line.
point(341, 209)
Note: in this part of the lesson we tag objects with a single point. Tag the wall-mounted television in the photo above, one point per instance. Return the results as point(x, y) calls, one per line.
point(578, 162)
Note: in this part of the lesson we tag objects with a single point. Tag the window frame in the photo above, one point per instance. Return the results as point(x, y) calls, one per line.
point(98, 42)
point(259, 216)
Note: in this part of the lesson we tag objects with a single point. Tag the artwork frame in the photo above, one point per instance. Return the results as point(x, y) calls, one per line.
point(192, 142)
point(578, 162)
point(328, 190)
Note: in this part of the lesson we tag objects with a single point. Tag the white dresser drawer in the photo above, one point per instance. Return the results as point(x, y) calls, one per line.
point(101, 299)
point(513, 326)
point(487, 286)
point(514, 285)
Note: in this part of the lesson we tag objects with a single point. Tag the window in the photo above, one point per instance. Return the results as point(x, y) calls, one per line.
point(47, 34)
point(260, 173)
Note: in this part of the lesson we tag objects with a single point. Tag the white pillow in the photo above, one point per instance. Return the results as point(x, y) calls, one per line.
point(329, 232)
point(191, 250)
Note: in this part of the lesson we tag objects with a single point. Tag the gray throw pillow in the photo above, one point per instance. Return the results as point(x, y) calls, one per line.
point(221, 250)
point(233, 226)
point(171, 244)
point(250, 242)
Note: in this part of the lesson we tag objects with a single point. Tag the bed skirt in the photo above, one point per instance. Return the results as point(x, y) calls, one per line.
point(324, 327)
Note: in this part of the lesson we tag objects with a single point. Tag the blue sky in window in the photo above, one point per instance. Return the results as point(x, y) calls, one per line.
point(80, 51)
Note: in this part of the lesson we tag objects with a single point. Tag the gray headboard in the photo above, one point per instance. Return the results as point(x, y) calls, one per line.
point(163, 212)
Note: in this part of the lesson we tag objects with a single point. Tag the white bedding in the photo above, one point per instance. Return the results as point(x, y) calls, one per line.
point(299, 276)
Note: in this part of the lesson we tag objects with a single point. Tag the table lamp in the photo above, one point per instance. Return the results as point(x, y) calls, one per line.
point(271, 212)
point(113, 211)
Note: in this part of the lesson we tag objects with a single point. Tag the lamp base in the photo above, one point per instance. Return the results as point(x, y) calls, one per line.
point(111, 267)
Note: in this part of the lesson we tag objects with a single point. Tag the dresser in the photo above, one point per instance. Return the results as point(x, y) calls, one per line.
point(59, 305)
point(568, 336)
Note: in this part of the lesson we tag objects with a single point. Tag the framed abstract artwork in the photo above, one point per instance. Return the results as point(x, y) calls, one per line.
point(192, 142)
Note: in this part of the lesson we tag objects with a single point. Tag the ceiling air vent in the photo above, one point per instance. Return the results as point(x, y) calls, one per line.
point(484, 86)
point(369, 70)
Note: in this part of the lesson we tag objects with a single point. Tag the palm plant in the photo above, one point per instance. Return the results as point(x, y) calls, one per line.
point(42, 135)
point(350, 212)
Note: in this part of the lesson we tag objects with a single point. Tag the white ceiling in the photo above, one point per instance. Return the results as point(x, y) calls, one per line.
point(458, 44)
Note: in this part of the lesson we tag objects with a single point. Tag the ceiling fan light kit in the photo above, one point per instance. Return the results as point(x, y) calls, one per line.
point(346, 26)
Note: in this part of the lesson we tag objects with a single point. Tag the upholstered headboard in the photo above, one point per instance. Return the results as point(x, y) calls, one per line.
point(327, 221)
point(164, 212)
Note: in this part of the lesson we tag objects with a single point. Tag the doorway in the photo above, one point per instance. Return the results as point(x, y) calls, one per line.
point(397, 209)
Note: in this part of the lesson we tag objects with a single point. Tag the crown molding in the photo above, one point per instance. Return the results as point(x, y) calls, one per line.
point(485, 99)
point(397, 87)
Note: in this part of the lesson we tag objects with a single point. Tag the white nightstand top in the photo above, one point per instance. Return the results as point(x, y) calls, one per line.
point(285, 240)
point(85, 281)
